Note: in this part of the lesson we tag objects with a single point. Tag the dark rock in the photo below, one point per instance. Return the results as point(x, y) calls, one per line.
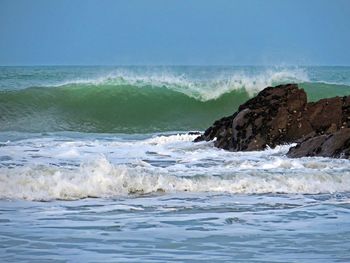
point(278, 115)
point(194, 133)
point(336, 145)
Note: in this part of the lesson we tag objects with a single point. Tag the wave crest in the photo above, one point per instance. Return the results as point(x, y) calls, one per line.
point(198, 88)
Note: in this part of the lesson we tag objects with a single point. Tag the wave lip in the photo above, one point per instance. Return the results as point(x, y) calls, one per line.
point(200, 89)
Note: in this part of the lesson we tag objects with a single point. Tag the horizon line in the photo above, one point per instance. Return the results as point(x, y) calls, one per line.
point(174, 65)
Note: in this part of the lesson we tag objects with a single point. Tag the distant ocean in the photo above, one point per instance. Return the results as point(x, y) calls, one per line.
point(97, 165)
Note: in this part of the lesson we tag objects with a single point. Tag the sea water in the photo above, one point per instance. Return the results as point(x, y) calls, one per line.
point(96, 165)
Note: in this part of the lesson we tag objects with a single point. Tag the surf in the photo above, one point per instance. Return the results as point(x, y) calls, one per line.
point(103, 179)
point(66, 168)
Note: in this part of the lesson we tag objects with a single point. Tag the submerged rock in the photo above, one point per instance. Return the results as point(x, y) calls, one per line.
point(278, 115)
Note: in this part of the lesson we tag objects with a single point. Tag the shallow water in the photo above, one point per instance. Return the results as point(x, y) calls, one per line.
point(73, 166)
point(181, 227)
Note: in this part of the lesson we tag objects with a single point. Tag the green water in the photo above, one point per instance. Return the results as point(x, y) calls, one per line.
point(142, 99)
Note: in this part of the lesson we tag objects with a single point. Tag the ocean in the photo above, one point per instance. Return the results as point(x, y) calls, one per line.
point(97, 165)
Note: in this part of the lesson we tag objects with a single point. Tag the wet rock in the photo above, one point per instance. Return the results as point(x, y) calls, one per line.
point(194, 133)
point(278, 115)
point(335, 145)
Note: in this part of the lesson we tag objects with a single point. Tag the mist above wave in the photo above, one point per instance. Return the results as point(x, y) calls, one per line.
point(200, 88)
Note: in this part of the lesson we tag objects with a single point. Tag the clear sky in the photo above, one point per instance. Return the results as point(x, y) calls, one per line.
point(165, 32)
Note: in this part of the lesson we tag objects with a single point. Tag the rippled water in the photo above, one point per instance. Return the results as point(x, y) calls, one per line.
point(183, 227)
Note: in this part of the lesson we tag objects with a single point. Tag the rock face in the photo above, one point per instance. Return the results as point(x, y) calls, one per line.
point(278, 115)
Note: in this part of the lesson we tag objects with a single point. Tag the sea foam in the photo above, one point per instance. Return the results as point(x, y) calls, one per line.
point(244, 173)
point(101, 178)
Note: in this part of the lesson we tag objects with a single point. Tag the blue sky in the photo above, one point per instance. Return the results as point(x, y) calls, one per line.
point(166, 32)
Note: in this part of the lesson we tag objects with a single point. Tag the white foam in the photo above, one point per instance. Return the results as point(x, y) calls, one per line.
point(62, 168)
point(163, 139)
point(103, 179)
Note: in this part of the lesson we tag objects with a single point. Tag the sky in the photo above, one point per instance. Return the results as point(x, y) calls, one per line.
point(175, 32)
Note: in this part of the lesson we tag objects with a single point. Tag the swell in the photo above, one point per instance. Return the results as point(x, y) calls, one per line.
point(319, 90)
point(124, 107)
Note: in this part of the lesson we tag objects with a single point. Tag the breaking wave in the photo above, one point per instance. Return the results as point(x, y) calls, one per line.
point(135, 103)
point(103, 179)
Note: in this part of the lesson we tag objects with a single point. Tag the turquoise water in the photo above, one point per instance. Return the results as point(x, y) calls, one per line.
point(96, 165)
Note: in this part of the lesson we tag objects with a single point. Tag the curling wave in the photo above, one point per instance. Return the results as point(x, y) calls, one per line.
point(126, 103)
